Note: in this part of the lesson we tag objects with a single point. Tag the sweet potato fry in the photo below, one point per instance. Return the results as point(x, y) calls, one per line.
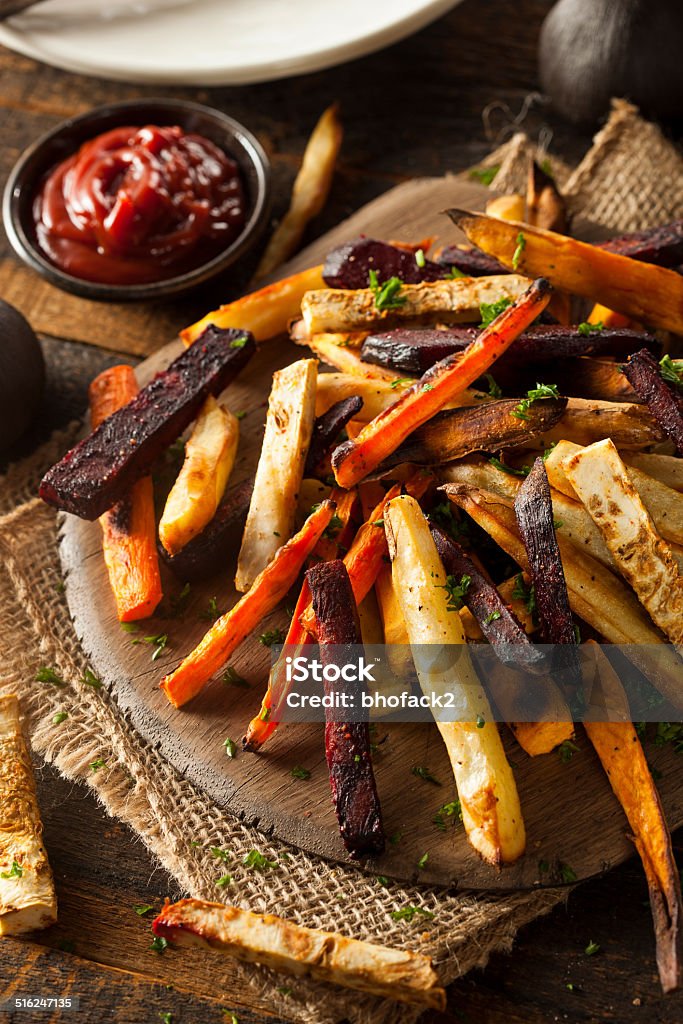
point(285, 946)
point(643, 291)
point(310, 190)
point(347, 744)
point(266, 313)
point(601, 481)
point(228, 632)
point(644, 377)
point(441, 384)
point(129, 528)
point(621, 754)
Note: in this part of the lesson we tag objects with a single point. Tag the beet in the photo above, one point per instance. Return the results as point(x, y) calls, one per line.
point(349, 266)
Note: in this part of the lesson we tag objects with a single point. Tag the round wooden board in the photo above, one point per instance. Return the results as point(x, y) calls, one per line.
point(572, 818)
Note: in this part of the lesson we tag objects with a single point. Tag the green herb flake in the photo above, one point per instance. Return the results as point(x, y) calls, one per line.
point(159, 642)
point(420, 258)
point(543, 867)
point(142, 909)
point(455, 272)
point(272, 636)
point(239, 342)
point(451, 810)
point(570, 986)
point(179, 601)
point(566, 751)
point(298, 772)
point(558, 523)
point(444, 516)
point(48, 675)
point(525, 592)
point(585, 329)
point(230, 747)
point(485, 175)
point(232, 1017)
point(567, 873)
point(387, 295)
point(422, 863)
point(284, 990)
point(493, 617)
point(60, 717)
point(264, 714)
point(258, 862)
point(212, 612)
point(408, 912)
point(96, 765)
point(455, 591)
point(383, 881)
point(219, 854)
point(333, 527)
point(533, 395)
point(517, 254)
point(495, 391)
point(129, 627)
point(671, 370)
point(395, 838)
point(16, 871)
point(592, 948)
point(159, 944)
point(223, 881)
point(90, 679)
point(167, 1018)
point(239, 415)
point(511, 470)
point(425, 774)
point(401, 381)
point(488, 311)
point(232, 678)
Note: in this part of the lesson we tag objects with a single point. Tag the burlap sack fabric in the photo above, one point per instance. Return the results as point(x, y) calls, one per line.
point(630, 160)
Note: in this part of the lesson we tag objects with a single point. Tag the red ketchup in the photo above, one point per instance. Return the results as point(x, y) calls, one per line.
point(136, 205)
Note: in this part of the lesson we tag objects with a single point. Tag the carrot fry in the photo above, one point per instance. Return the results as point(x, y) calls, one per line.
point(365, 557)
point(382, 436)
point(622, 756)
point(128, 529)
point(228, 632)
point(266, 312)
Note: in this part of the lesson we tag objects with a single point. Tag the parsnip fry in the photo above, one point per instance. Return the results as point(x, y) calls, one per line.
point(310, 190)
point(27, 892)
point(585, 421)
point(440, 385)
point(651, 294)
point(430, 302)
point(289, 424)
point(486, 787)
point(618, 747)
point(601, 481)
point(266, 312)
point(302, 952)
point(228, 632)
point(377, 394)
point(209, 458)
point(666, 468)
point(347, 359)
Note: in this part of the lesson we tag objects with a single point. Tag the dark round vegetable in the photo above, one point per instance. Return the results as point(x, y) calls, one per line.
point(22, 375)
point(593, 50)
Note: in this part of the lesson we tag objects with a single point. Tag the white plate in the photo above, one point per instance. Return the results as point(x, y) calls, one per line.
point(211, 42)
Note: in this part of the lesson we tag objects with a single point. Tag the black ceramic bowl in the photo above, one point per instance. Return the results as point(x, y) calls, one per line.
point(66, 139)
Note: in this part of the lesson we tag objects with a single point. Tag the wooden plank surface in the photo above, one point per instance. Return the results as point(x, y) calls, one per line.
point(589, 836)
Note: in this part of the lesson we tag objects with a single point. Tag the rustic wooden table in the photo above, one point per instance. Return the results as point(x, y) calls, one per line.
point(414, 109)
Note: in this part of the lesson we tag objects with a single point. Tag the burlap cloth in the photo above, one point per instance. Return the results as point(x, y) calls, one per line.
point(632, 177)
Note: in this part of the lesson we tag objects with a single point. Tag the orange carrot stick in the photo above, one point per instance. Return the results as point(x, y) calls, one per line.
point(266, 722)
point(128, 529)
point(365, 557)
point(355, 459)
point(228, 632)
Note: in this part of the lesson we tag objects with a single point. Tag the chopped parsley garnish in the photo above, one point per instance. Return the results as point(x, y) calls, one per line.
point(533, 395)
point(669, 732)
point(548, 451)
point(158, 642)
point(452, 810)
point(333, 527)
point(298, 772)
point(488, 311)
point(387, 295)
point(166, 1018)
point(558, 523)
point(671, 370)
point(592, 948)
point(456, 272)
point(48, 675)
point(525, 592)
point(491, 618)
point(566, 750)
point(220, 854)
point(455, 592)
point(585, 329)
point(504, 468)
point(427, 387)
point(395, 838)
point(420, 258)
point(239, 415)
point(90, 679)
point(97, 764)
point(142, 909)
point(60, 717)
point(495, 389)
point(481, 722)
point(223, 881)
point(400, 381)
point(422, 863)
point(567, 874)
point(179, 601)
point(159, 944)
point(232, 678)
point(258, 862)
point(517, 254)
point(383, 881)
point(16, 871)
point(284, 990)
point(424, 773)
point(239, 342)
point(408, 912)
point(230, 747)
point(212, 612)
point(128, 627)
point(232, 1017)
point(272, 636)
point(444, 516)
point(264, 714)
point(484, 174)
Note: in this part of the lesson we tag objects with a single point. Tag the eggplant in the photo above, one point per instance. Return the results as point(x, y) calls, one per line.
point(349, 265)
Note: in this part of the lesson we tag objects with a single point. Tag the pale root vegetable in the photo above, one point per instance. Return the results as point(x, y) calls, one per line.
point(448, 301)
point(310, 190)
point(348, 359)
point(486, 787)
point(587, 420)
point(209, 459)
point(289, 423)
point(642, 291)
point(602, 482)
point(377, 394)
point(27, 892)
point(510, 207)
point(303, 952)
point(668, 469)
point(267, 312)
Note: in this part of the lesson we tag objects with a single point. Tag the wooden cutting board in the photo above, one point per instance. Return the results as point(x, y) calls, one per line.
point(571, 816)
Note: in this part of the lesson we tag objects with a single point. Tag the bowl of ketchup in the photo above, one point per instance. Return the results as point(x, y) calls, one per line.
point(138, 200)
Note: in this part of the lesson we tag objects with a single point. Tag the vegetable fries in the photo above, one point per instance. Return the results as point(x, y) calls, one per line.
point(209, 458)
point(486, 788)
